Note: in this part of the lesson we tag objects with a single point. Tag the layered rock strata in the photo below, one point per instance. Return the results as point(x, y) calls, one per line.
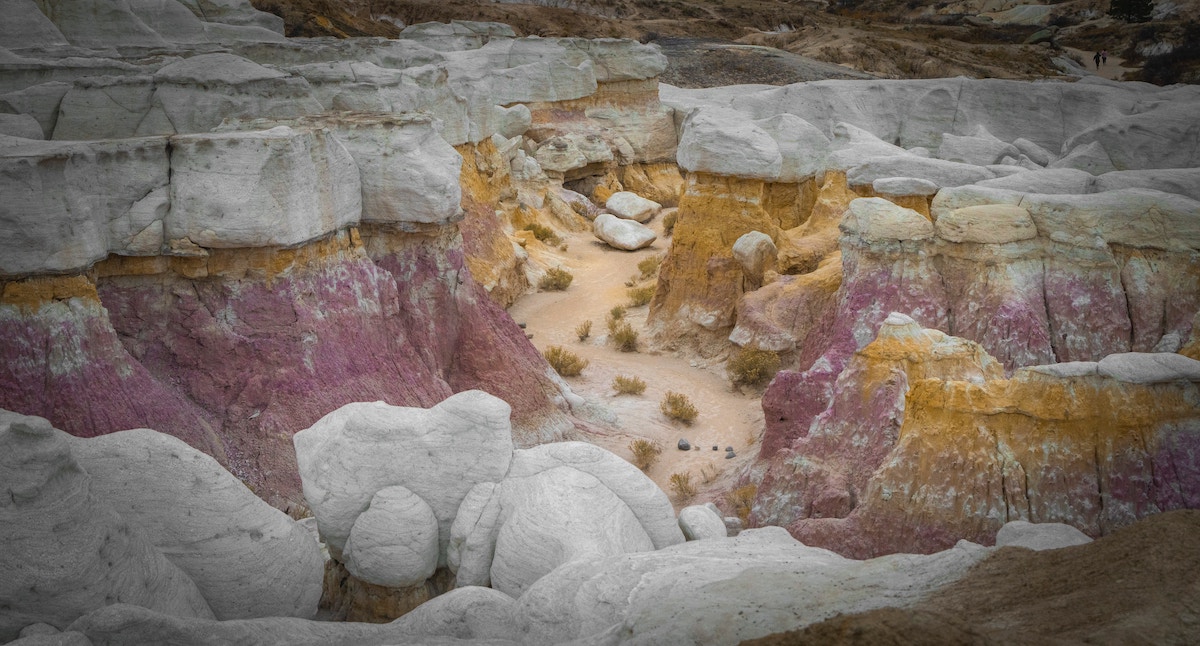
point(1096, 445)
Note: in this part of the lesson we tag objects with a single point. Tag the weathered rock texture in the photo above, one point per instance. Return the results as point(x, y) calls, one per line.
point(1074, 443)
point(140, 518)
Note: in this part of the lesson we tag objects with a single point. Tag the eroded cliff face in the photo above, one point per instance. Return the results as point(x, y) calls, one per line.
point(925, 442)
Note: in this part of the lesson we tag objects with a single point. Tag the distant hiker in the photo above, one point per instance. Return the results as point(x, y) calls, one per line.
point(1097, 59)
point(1104, 57)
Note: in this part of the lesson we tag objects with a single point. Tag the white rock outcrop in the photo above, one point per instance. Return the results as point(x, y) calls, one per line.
point(874, 219)
point(622, 234)
point(247, 558)
point(631, 206)
point(394, 542)
point(68, 552)
point(723, 142)
point(699, 522)
point(438, 453)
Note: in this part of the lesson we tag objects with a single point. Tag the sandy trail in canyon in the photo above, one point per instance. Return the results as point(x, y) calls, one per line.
point(727, 417)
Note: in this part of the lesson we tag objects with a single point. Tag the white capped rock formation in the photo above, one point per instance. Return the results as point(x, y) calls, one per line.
point(699, 522)
point(394, 542)
point(1039, 536)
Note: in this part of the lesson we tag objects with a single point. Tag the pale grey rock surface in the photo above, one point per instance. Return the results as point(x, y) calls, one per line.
point(631, 206)
point(722, 591)
point(1039, 536)
point(247, 558)
point(394, 542)
point(1149, 367)
point(276, 187)
point(1091, 157)
point(618, 233)
point(724, 142)
point(803, 148)
point(698, 522)
point(66, 550)
point(555, 516)
point(473, 536)
point(20, 125)
point(904, 186)
point(353, 452)
point(980, 148)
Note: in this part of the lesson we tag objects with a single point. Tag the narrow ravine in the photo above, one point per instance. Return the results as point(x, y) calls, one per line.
point(727, 416)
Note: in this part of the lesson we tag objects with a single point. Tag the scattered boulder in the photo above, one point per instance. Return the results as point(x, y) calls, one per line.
point(630, 206)
point(684, 445)
point(699, 522)
point(622, 234)
point(874, 219)
point(394, 542)
point(755, 252)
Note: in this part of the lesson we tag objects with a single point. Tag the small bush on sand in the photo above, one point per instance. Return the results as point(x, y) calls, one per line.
point(752, 367)
point(741, 500)
point(645, 453)
point(677, 406)
point(628, 385)
point(584, 330)
point(543, 233)
point(624, 337)
point(649, 266)
point(556, 280)
point(669, 223)
point(681, 484)
point(616, 314)
point(564, 362)
point(639, 296)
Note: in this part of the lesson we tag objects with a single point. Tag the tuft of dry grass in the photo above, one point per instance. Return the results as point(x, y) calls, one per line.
point(669, 223)
point(544, 234)
point(752, 367)
point(564, 362)
point(639, 296)
point(681, 484)
point(628, 385)
point(616, 314)
point(584, 330)
point(649, 266)
point(645, 453)
point(556, 280)
point(677, 406)
point(624, 337)
point(741, 500)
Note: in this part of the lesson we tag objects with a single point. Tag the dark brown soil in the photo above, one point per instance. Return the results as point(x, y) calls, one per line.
point(1139, 585)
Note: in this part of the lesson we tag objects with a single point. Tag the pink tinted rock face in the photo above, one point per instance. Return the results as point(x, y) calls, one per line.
point(921, 447)
point(236, 363)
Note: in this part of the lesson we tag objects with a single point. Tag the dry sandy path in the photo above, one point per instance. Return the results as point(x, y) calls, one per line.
point(727, 416)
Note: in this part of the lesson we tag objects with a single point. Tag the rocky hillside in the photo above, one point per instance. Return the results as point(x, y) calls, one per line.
point(724, 40)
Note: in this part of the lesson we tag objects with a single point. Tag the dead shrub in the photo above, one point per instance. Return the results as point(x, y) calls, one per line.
point(556, 280)
point(564, 362)
point(681, 484)
point(584, 330)
point(741, 501)
point(678, 407)
point(628, 385)
point(639, 296)
point(645, 453)
point(624, 337)
point(752, 367)
point(543, 234)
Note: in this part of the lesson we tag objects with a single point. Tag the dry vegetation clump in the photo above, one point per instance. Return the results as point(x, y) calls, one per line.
point(678, 407)
point(628, 385)
point(708, 473)
point(543, 234)
point(639, 296)
point(564, 362)
point(645, 453)
point(741, 500)
point(616, 314)
point(584, 330)
point(624, 337)
point(752, 367)
point(669, 223)
point(556, 279)
point(649, 266)
point(681, 484)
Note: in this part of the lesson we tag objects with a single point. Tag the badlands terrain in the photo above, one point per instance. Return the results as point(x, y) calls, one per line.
point(286, 324)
